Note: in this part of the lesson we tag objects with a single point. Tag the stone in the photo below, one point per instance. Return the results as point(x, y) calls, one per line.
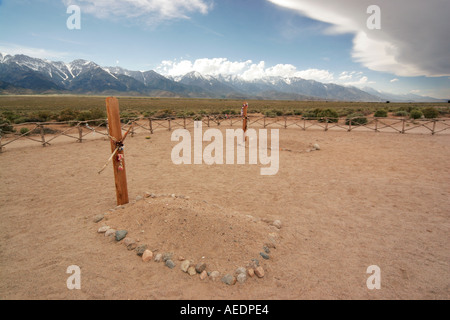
point(214, 276)
point(98, 218)
point(266, 249)
point(316, 146)
point(147, 256)
point(277, 224)
point(200, 267)
point(158, 257)
point(264, 255)
point(240, 270)
point(103, 229)
point(241, 277)
point(191, 271)
point(185, 265)
point(139, 198)
point(141, 249)
point(259, 272)
point(203, 275)
point(121, 234)
point(254, 263)
point(229, 279)
point(130, 243)
point(110, 232)
point(270, 244)
point(167, 256)
point(251, 272)
point(170, 264)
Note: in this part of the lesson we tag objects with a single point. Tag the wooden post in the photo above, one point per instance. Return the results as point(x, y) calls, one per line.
point(170, 126)
point(151, 125)
point(264, 125)
point(326, 124)
point(376, 124)
point(184, 122)
point(115, 131)
point(403, 125)
point(1, 147)
point(350, 125)
point(434, 127)
point(41, 129)
point(244, 122)
point(80, 134)
point(285, 122)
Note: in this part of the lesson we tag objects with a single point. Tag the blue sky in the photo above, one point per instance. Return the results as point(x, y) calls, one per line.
point(327, 41)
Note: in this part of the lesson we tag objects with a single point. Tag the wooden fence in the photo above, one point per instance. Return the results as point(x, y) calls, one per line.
point(45, 133)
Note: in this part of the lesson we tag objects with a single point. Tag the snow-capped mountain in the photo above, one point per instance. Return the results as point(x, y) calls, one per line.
point(87, 77)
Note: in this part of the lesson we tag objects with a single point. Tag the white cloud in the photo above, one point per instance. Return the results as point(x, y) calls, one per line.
point(394, 80)
point(413, 40)
point(247, 70)
point(149, 11)
point(13, 49)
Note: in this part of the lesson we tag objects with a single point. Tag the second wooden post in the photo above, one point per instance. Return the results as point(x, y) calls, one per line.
point(115, 131)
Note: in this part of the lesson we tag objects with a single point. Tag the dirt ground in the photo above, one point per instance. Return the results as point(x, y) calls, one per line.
point(364, 199)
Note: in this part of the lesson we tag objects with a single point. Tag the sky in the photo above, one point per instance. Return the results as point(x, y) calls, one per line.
point(401, 46)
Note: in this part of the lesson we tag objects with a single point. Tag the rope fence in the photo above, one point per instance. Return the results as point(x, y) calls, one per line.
point(44, 133)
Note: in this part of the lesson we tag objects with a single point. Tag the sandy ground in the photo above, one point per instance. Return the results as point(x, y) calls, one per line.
point(364, 199)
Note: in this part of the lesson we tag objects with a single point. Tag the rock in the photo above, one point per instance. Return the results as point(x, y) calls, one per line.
point(251, 272)
point(167, 256)
point(203, 275)
point(98, 218)
point(130, 243)
point(277, 224)
point(240, 270)
point(229, 279)
point(141, 249)
point(158, 257)
point(264, 255)
point(259, 272)
point(170, 264)
point(241, 277)
point(270, 244)
point(185, 265)
point(110, 232)
point(214, 276)
point(103, 229)
point(316, 146)
point(191, 271)
point(200, 267)
point(266, 249)
point(147, 256)
point(121, 234)
point(139, 198)
point(254, 263)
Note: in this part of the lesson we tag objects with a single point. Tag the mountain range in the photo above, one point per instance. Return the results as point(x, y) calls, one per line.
point(21, 74)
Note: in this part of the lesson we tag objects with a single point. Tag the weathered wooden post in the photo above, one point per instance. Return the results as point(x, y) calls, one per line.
point(151, 125)
point(245, 118)
point(115, 131)
point(80, 133)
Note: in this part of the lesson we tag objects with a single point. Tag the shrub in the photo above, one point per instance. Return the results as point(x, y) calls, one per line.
point(331, 114)
point(298, 112)
point(68, 115)
point(356, 119)
point(430, 113)
point(381, 113)
point(416, 114)
point(401, 113)
point(24, 130)
point(5, 126)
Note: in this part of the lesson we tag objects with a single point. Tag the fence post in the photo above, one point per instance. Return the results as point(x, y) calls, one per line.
point(434, 127)
point(151, 125)
point(42, 132)
point(1, 147)
point(264, 121)
point(285, 122)
point(80, 133)
point(208, 121)
point(350, 125)
point(403, 125)
point(132, 129)
point(376, 124)
point(326, 124)
point(115, 130)
point(184, 122)
point(170, 125)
